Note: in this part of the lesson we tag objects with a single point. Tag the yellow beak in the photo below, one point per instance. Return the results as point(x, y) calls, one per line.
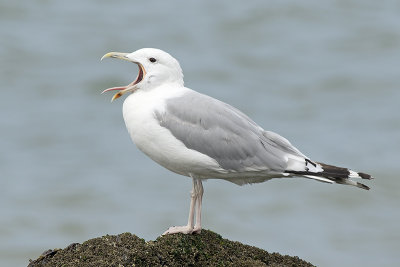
point(116, 55)
point(130, 87)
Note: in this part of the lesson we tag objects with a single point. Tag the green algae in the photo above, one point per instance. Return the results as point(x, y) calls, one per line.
point(205, 249)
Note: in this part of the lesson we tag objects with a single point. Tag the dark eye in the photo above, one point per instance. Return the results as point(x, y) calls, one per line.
point(152, 59)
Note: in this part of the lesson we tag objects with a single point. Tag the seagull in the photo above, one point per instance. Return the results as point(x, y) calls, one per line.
point(198, 136)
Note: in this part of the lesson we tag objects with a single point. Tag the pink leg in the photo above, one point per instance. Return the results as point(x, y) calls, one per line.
point(199, 187)
point(196, 196)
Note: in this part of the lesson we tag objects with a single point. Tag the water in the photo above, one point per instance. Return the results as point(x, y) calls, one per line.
point(323, 74)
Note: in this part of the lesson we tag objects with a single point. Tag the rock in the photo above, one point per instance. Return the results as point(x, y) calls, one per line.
point(205, 249)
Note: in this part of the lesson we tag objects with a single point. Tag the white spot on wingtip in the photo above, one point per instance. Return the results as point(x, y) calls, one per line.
point(353, 174)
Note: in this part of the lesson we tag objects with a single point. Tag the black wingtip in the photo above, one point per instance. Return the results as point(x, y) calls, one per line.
point(362, 186)
point(365, 176)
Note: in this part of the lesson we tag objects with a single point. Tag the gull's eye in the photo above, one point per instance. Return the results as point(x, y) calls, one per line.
point(152, 59)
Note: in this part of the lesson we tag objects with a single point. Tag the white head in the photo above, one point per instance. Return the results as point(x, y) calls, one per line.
point(155, 67)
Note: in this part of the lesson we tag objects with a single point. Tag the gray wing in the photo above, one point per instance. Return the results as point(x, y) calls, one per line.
point(225, 134)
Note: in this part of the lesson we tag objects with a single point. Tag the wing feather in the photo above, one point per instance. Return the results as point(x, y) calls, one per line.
point(225, 134)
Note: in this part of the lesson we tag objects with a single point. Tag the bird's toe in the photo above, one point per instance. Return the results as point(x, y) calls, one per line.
point(179, 229)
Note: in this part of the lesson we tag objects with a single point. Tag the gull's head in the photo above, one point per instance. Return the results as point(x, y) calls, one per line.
point(156, 67)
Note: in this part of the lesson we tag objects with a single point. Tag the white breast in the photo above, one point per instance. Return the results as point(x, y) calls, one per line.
point(156, 141)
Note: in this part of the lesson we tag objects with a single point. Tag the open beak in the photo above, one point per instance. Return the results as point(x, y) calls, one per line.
point(130, 87)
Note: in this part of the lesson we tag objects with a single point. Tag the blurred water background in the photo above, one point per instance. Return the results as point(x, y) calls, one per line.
point(324, 74)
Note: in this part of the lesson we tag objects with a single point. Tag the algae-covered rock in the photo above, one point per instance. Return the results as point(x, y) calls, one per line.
point(205, 249)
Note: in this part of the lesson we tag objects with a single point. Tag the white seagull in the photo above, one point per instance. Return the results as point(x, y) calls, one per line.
point(201, 137)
